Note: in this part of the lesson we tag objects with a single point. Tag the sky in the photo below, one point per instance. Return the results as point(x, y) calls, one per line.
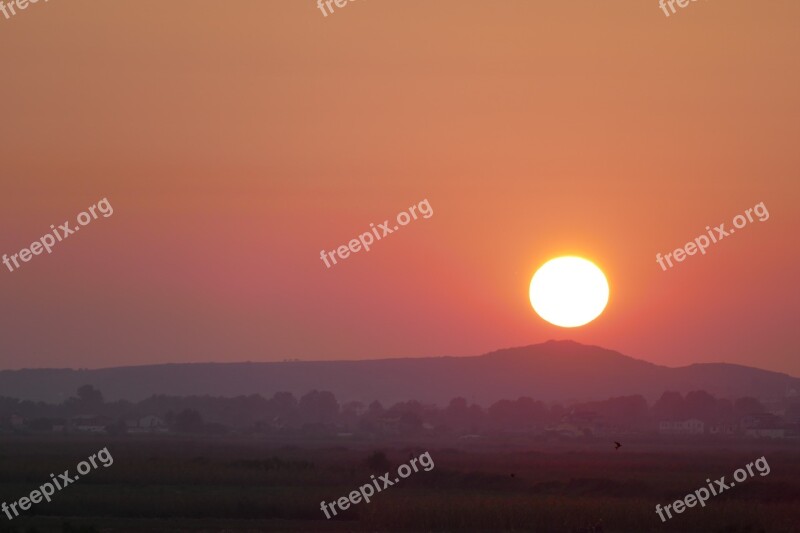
point(237, 140)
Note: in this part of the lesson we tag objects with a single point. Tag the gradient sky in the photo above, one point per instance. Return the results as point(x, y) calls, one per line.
point(235, 140)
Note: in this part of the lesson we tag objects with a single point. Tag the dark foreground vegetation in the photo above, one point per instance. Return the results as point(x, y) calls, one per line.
point(167, 483)
point(318, 414)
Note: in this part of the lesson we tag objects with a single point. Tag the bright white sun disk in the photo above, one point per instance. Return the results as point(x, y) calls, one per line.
point(569, 291)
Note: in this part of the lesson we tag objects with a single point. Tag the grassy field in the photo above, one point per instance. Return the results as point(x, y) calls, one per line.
point(171, 484)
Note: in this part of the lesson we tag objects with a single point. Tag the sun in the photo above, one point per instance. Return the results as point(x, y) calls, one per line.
point(569, 291)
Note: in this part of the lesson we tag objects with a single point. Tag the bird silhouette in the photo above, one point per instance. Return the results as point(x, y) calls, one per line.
point(617, 445)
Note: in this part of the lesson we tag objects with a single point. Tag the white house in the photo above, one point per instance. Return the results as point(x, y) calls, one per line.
point(723, 428)
point(766, 433)
point(147, 424)
point(691, 426)
point(90, 423)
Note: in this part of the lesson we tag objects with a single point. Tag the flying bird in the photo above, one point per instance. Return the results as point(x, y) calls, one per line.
point(617, 445)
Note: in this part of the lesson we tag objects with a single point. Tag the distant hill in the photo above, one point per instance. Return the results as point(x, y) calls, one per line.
point(555, 370)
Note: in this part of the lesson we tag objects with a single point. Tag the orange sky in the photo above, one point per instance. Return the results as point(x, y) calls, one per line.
point(236, 140)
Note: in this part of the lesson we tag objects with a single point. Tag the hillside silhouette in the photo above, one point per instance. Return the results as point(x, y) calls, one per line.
point(552, 371)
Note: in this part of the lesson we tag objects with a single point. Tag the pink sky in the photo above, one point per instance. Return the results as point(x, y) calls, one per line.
point(235, 141)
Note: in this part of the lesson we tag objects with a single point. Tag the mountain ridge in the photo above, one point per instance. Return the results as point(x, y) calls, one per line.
point(550, 371)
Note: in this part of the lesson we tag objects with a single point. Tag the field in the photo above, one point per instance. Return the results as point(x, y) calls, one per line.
point(229, 484)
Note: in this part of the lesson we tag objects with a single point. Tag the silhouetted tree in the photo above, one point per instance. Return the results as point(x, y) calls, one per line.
point(793, 412)
point(375, 409)
point(621, 411)
point(671, 406)
point(522, 413)
point(188, 421)
point(411, 406)
point(501, 414)
point(702, 405)
point(410, 422)
point(318, 407)
point(282, 405)
point(457, 414)
point(350, 413)
point(89, 395)
point(87, 399)
point(476, 417)
point(748, 406)
point(556, 412)
point(724, 409)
